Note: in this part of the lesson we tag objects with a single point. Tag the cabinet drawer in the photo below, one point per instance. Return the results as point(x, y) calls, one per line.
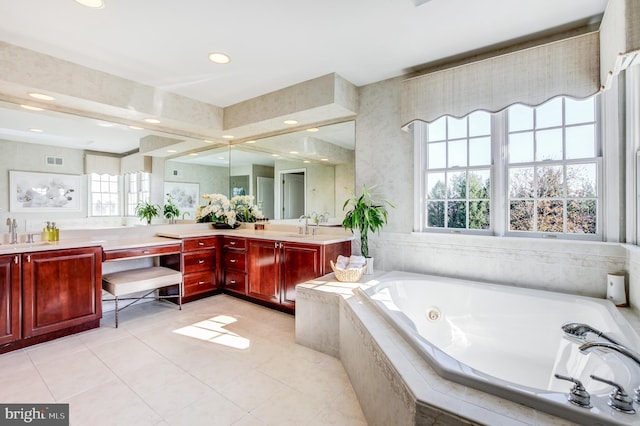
point(235, 260)
point(235, 281)
point(198, 283)
point(234, 242)
point(193, 244)
point(199, 261)
point(140, 252)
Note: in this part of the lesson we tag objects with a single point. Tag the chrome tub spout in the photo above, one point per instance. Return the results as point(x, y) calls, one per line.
point(580, 330)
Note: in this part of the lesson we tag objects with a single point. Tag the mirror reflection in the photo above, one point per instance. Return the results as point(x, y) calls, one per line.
point(304, 172)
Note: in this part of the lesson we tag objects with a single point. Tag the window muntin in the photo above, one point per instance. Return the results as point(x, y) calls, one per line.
point(552, 167)
point(458, 172)
point(104, 194)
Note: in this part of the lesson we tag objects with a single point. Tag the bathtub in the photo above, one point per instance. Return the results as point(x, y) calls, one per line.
point(508, 341)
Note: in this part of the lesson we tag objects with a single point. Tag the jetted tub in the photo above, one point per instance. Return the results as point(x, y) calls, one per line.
point(508, 341)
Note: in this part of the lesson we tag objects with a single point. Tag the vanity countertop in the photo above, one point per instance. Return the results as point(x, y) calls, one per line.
point(290, 236)
point(49, 245)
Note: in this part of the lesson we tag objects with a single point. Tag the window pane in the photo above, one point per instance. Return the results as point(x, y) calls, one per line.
point(550, 182)
point(521, 216)
point(549, 145)
point(437, 153)
point(521, 147)
point(479, 123)
point(457, 185)
point(438, 130)
point(457, 127)
point(435, 186)
point(550, 216)
point(581, 141)
point(549, 114)
point(479, 214)
point(520, 118)
point(581, 216)
point(458, 153)
point(581, 180)
point(521, 182)
point(435, 214)
point(457, 214)
point(579, 111)
point(479, 184)
point(480, 151)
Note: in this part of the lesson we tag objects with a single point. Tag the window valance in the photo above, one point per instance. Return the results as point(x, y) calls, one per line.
point(531, 76)
point(619, 38)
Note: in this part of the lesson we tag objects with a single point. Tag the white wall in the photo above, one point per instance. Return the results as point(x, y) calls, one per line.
point(385, 157)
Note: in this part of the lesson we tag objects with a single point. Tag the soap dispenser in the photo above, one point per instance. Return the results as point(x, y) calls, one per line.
point(55, 232)
point(46, 232)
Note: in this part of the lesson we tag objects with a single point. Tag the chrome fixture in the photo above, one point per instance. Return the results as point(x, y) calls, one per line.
point(618, 399)
point(578, 395)
point(614, 347)
point(580, 330)
point(13, 230)
point(306, 224)
point(184, 214)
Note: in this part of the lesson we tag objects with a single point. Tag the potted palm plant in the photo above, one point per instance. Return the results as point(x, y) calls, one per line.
point(147, 211)
point(366, 214)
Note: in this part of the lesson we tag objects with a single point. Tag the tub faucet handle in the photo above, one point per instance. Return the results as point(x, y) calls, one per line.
point(618, 399)
point(578, 395)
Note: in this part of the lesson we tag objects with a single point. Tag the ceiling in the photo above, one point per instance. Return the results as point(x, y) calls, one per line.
point(273, 44)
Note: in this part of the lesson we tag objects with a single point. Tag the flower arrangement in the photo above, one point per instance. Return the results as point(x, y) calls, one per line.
point(219, 209)
point(246, 210)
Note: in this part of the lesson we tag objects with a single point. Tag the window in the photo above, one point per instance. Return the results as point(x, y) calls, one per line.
point(458, 178)
point(552, 167)
point(138, 188)
point(547, 182)
point(105, 195)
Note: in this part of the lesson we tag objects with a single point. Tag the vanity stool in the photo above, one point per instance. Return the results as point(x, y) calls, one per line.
point(142, 279)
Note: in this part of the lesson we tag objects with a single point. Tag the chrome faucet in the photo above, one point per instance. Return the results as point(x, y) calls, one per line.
point(13, 229)
point(614, 347)
point(306, 223)
point(185, 213)
point(580, 330)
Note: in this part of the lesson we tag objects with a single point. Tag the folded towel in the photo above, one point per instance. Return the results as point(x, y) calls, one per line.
point(356, 262)
point(342, 262)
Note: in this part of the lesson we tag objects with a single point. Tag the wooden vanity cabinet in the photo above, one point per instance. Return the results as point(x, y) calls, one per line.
point(10, 292)
point(275, 268)
point(199, 265)
point(61, 289)
point(234, 264)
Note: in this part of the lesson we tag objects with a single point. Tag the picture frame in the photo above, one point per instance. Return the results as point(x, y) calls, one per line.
point(186, 196)
point(44, 192)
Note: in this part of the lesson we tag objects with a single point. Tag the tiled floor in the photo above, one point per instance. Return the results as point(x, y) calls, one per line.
point(219, 361)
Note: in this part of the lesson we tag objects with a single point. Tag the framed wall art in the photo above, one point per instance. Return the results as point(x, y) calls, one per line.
point(185, 196)
point(44, 192)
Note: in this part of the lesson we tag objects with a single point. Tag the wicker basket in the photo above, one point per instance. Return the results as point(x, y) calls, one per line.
point(348, 275)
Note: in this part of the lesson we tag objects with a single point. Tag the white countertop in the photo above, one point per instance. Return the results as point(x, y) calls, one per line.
point(320, 238)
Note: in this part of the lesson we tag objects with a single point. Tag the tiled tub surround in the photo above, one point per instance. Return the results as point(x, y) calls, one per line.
point(393, 383)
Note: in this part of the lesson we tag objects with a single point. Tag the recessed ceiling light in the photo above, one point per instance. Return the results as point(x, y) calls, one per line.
point(228, 136)
point(290, 122)
point(219, 58)
point(193, 154)
point(42, 96)
point(324, 159)
point(36, 130)
point(207, 141)
point(293, 152)
point(306, 161)
point(275, 155)
point(105, 124)
point(151, 120)
point(171, 151)
point(313, 129)
point(94, 4)
point(135, 127)
point(31, 108)
point(220, 158)
point(250, 142)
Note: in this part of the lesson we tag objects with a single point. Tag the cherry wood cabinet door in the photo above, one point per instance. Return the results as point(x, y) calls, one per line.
point(61, 289)
point(10, 298)
point(300, 263)
point(263, 277)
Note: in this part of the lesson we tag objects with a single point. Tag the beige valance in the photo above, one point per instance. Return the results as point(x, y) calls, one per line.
point(531, 76)
point(619, 38)
point(101, 164)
